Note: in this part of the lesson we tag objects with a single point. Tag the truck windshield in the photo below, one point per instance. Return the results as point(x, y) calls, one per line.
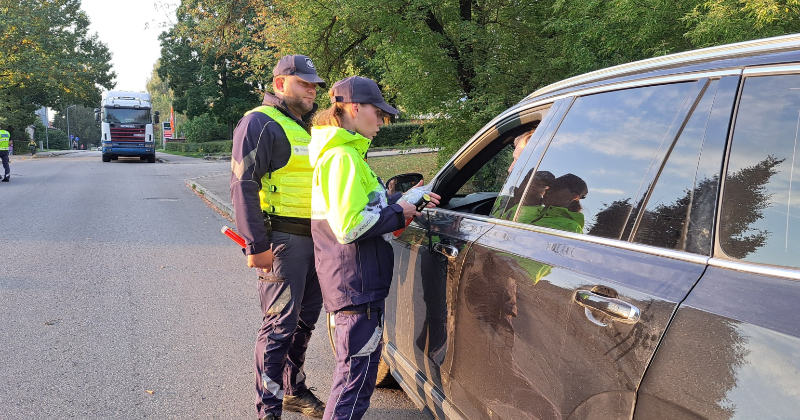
point(126, 116)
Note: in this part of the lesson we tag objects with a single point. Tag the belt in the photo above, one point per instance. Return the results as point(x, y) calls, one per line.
point(300, 227)
point(360, 309)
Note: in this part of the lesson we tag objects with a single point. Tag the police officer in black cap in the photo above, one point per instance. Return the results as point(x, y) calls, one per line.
point(271, 196)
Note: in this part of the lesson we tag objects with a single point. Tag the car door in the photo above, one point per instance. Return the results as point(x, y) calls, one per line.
point(732, 350)
point(552, 324)
point(430, 252)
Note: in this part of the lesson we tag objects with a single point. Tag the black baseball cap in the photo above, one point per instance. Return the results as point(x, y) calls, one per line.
point(572, 182)
point(300, 66)
point(360, 90)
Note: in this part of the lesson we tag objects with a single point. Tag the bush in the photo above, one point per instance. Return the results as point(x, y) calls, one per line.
point(395, 134)
point(57, 138)
point(211, 147)
point(204, 129)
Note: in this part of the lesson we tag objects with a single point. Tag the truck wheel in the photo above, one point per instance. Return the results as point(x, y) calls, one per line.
point(151, 158)
point(385, 378)
point(106, 157)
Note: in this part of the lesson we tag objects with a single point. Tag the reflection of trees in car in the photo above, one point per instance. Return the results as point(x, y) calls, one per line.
point(666, 225)
point(747, 188)
point(694, 361)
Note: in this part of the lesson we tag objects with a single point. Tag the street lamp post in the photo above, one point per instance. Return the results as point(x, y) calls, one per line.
point(69, 139)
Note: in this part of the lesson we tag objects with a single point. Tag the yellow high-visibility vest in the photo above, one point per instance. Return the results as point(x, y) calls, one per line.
point(287, 191)
point(5, 137)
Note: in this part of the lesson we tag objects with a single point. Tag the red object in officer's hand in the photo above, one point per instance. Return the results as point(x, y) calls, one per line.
point(234, 236)
point(421, 204)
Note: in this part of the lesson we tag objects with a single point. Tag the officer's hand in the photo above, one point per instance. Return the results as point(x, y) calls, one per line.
point(262, 260)
point(409, 210)
point(434, 197)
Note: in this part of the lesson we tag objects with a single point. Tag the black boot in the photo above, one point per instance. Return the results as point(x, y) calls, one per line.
point(7, 178)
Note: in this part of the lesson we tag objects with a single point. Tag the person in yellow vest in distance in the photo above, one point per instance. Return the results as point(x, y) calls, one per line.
point(5, 142)
point(32, 146)
point(271, 196)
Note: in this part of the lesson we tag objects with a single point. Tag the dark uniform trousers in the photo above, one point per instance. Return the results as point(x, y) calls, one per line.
point(359, 342)
point(291, 301)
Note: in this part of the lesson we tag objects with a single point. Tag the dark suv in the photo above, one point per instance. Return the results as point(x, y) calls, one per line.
point(640, 260)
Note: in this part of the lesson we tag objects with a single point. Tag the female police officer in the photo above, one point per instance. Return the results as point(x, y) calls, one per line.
point(351, 213)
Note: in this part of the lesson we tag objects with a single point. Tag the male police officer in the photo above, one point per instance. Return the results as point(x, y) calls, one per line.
point(4, 146)
point(271, 196)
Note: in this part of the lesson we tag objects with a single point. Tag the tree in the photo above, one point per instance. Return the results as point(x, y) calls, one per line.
point(204, 79)
point(461, 62)
point(714, 22)
point(48, 58)
point(54, 138)
point(81, 124)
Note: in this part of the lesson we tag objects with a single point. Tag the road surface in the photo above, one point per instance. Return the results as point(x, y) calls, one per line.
point(119, 298)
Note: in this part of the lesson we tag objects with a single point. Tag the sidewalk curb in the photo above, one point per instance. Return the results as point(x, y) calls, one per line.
point(223, 206)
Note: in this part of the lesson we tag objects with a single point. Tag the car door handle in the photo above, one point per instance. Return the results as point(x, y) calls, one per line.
point(448, 251)
point(619, 310)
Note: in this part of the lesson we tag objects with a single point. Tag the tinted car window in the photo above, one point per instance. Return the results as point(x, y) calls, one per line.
point(761, 199)
point(597, 163)
point(680, 210)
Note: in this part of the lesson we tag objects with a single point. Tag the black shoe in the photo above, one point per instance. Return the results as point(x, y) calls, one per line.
point(7, 178)
point(306, 403)
point(270, 416)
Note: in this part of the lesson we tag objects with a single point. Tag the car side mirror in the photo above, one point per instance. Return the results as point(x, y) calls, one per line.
point(97, 114)
point(156, 117)
point(402, 183)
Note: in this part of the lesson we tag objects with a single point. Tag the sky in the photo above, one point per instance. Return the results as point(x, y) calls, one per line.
point(130, 29)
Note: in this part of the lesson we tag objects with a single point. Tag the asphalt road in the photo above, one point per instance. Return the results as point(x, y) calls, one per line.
point(119, 298)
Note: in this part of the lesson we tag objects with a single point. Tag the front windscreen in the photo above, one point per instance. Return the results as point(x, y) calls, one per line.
point(126, 116)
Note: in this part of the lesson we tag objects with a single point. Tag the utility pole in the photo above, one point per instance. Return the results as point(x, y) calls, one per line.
point(46, 123)
point(69, 139)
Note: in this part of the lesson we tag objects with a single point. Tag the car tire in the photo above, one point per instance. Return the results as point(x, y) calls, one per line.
point(385, 378)
point(151, 158)
point(106, 158)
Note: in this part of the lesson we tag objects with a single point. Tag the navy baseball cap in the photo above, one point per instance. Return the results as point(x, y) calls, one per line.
point(360, 90)
point(300, 66)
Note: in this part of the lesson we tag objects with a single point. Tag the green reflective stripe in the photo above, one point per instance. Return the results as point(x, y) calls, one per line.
point(287, 191)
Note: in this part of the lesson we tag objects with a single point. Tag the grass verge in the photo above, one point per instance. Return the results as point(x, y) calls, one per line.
point(388, 166)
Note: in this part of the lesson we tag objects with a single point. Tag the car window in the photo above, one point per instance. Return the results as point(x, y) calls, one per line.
point(492, 175)
point(531, 143)
point(595, 168)
point(680, 210)
point(761, 199)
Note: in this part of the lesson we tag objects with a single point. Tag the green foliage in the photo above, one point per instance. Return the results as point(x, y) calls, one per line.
point(206, 77)
point(203, 129)
point(48, 58)
point(714, 22)
point(81, 124)
point(55, 138)
point(396, 134)
point(211, 147)
point(459, 63)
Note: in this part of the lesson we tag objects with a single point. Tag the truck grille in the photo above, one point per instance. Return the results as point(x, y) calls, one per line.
point(127, 133)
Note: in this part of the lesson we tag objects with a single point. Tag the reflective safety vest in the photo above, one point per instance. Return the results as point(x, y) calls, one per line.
point(5, 137)
point(287, 191)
